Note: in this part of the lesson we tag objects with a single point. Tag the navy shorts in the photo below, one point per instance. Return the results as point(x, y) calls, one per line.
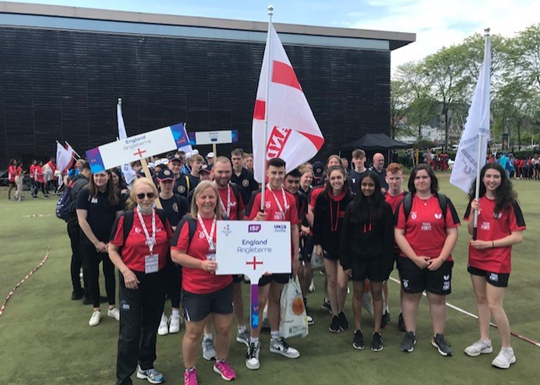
point(334, 256)
point(369, 268)
point(198, 306)
point(494, 279)
point(306, 248)
point(278, 278)
point(416, 280)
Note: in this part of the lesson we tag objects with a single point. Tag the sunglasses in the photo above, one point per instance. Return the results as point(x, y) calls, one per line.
point(150, 195)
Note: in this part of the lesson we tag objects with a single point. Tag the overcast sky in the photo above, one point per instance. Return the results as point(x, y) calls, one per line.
point(436, 23)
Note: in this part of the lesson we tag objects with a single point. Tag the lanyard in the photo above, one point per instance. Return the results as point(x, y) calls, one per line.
point(277, 201)
point(209, 237)
point(228, 209)
point(150, 241)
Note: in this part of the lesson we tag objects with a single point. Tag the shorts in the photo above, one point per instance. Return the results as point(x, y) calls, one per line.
point(278, 278)
point(331, 257)
point(416, 280)
point(12, 184)
point(494, 279)
point(237, 278)
point(198, 306)
point(306, 248)
point(369, 268)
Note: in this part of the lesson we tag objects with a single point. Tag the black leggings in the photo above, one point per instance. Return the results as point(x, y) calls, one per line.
point(91, 259)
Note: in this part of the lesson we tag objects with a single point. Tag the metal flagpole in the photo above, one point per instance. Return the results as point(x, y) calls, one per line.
point(75, 152)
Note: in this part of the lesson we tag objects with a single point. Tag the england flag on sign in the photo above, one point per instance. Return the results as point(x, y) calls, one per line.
point(293, 133)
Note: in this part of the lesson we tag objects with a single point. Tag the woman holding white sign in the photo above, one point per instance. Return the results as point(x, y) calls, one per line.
point(204, 294)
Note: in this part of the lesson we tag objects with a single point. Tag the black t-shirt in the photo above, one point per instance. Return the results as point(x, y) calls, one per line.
point(382, 177)
point(355, 180)
point(182, 185)
point(79, 182)
point(175, 208)
point(246, 183)
point(193, 181)
point(101, 214)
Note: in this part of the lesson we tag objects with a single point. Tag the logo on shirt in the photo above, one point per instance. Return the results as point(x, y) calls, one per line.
point(201, 235)
point(268, 205)
point(245, 183)
point(438, 216)
point(175, 207)
point(94, 200)
point(278, 216)
point(254, 228)
point(426, 226)
point(181, 189)
point(485, 226)
point(414, 215)
point(137, 230)
point(497, 215)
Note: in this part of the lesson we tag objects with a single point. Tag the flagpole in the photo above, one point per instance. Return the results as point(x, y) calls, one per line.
point(75, 152)
point(268, 72)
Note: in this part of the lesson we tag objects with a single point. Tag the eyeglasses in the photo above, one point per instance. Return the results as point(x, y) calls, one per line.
point(150, 195)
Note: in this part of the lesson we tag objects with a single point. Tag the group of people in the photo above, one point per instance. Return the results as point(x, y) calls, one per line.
point(42, 178)
point(361, 223)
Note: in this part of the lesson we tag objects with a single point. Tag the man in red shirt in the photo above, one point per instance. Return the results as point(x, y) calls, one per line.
point(279, 206)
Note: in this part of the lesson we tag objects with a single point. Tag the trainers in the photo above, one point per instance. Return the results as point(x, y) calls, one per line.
point(442, 345)
point(326, 306)
point(385, 320)
point(163, 328)
point(190, 377)
point(401, 323)
point(243, 337)
point(343, 321)
point(252, 356)
point(377, 343)
point(152, 375)
point(504, 359)
point(174, 326)
point(358, 341)
point(95, 319)
point(334, 325)
point(409, 340)
point(479, 347)
point(208, 350)
point(114, 313)
point(224, 370)
point(280, 346)
point(310, 320)
point(77, 294)
point(311, 288)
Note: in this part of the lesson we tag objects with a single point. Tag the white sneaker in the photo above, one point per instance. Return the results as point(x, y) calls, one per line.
point(95, 319)
point(252, 356)
point(208, 350)
point(311, 287)
point(479, 347)
point(175, 322)
point(504, 359)
point(114, 313)
point(163, 328)
point(280, 346)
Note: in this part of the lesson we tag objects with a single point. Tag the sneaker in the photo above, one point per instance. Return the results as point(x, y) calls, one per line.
point(280, 346)
point(442, 345)
point(310, 320)
point(479, 347)
point(190, 377)
point(174, 326)
point(334, 325)
point(114, 313)
point(224, 370)
point(152, 375)
point(243, 337)
point(95, 319)
point(326, 306)
point(504, 359)
point(377, 343)
point(385, 320)
point(311, 288)
point(409, 340)
point(343, 321)
point(87, 301)
point(163, 328)
point(208, 350)
point(358, 341)
point(252, 356)
point(77, 294)
point(401, 323)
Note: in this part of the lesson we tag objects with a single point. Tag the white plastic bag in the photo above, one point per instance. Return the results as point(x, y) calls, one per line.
point(317, 261)
point(293, 320)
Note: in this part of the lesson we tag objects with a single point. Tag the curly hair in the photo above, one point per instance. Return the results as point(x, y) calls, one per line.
point(504, 195)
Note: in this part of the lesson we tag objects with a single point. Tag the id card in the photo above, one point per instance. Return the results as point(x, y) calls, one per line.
point(151, 264)
point(211, 256)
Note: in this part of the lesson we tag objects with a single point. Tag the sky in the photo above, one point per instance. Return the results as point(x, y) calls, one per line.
point(437, 24)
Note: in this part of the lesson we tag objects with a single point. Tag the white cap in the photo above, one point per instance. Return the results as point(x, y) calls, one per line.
point(210, 155)
point(195, 152)
point(151, 165)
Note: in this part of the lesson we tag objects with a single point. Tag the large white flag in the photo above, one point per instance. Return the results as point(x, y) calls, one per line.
point(293, 134)
point(63, 157)
point(129, 174)
point(466, 166)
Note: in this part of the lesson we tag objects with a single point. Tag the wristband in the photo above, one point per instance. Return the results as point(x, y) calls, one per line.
point(492, 244)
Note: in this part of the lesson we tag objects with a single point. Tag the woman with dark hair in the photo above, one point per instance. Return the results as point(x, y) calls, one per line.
point(120, 184)
point(97, 207)
point(367, 251)
point(327, 225)
point(12, 172)
point(426, 234)
point(500, 226)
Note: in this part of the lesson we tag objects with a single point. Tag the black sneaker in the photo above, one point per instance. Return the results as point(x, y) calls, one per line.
point(334, 325)
point(442, 345)
point(385, 320)
point(343, 321)
point(87, 301)
point(326, 306)
point(358, 342)
point(377, 343)
point(401, 323)
point(77, 294)
point(409, 340)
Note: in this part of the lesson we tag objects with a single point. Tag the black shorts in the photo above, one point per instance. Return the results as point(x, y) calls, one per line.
point(494, 279)
point(331, 257)
point(367, 268)
point(198, 306)
point(416, 280)
point(279, 278)
point(237, 278)
point(306, 248)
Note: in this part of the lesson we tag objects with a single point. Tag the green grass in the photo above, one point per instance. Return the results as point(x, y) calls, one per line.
point(45, 337)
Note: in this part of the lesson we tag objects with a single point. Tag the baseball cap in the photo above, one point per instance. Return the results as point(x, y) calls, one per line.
point(165, 174)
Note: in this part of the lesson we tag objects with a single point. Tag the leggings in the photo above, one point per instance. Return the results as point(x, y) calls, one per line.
point(91, 259)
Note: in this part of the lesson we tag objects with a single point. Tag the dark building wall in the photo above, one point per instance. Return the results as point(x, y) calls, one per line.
point(63, 85)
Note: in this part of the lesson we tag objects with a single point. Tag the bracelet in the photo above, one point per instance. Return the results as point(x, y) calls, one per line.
point(492, 244)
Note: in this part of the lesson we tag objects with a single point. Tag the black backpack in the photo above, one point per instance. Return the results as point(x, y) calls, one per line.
point(65, 203)
point(407, 204)
point(128, 221)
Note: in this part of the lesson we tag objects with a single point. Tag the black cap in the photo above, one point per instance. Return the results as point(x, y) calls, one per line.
point(318, 168)
point(165, 174)
point(173, 158)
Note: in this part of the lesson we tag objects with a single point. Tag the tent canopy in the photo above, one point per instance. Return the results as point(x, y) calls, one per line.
point(376, 142)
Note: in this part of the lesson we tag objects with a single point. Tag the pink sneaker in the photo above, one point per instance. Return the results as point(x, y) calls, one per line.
point(190, 377)
point(225, 370)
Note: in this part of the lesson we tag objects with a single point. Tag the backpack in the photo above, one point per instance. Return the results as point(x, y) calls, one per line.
point(407, 204)
point(128, 221)
point(64, 204)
